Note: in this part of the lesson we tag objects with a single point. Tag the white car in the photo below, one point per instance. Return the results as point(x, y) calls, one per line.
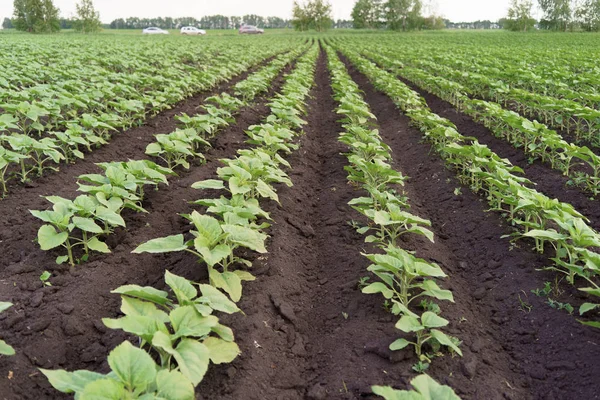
point(154, 31)
point(192, 30)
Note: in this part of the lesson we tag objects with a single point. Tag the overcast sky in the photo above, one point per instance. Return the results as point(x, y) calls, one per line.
point(454, 10)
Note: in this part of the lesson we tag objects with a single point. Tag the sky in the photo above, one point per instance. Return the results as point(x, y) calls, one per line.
point(454, 10)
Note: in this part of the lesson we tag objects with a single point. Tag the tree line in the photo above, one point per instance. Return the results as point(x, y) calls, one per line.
point(42, 16)
point(399, 15)
point(558, 15)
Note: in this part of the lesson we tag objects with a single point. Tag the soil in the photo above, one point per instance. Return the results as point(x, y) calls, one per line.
point(307, 331)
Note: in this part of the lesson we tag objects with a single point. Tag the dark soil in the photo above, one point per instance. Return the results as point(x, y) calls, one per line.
point(308, 332)
point(60, 326)
point(510, 351)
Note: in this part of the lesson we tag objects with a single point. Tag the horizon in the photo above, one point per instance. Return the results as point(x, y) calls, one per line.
point(456, 11)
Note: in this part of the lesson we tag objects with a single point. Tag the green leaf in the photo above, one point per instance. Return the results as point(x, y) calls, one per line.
point(183, 289)
point(399, 344)
point(187, 321)
point(266, 191)
point(6, 349)
point(209, 184)
point(585, 307)
point(432, 320)
point(104, 389)
point(145, 293)
point(5, 305)
point(134, 367)
point(221, 351)
point(70, 382)
point(409, 324)
point(217, 300)
point(193, 359)
point(62, 259)
point(173, 385)
point(593, 324)
point(445, 340)
point(48, 238)
point(378, 287)
point(96, 245)
point(87, 225)
point(162, 245)
point(246, 237)
point(433, 390)
point(229, 282)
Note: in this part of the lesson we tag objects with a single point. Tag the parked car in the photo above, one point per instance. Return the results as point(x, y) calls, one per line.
point(192, 30)
point(250, 29)
point(154, 31)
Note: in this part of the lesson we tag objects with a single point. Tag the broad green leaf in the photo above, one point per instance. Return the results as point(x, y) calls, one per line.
point(585, 307)
point(104, 389)
point(266, 191)
point(229, 282)
point(432, 320)
point(183, 289)
point(173, 385)
point(96, 245)
point(87, 225)
point(146, 293)
point(48, 238)
point(187, 321)
point(409, 324)
point(445, 340)
point(217, 300)
point(399, 344)
point(246, 237)
point(433, 390)
point(162, 245)
point(134, 367)
point(193, 359)
point(209, 184)
point(378, 287)
point(221, 351)
point(136, 307)
point(70, 382)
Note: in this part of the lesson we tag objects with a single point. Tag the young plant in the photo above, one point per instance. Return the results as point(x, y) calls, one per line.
point(215, 243)
point(425, 388)
point(178, 330)
point(134, 375)
point(71, 223)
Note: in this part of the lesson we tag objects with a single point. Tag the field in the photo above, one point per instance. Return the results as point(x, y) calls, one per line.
point(259, 213)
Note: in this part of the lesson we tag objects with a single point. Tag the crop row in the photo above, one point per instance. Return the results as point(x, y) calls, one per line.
point(182, 333)
point(403, 279)
point(546, 221)
point(534, 138)
point(568, 74)
point(57, 124)
point(121, 185)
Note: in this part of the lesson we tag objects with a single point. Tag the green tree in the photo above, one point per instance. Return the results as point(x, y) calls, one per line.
point(300, 18)
point(367, 14)
point(557, 14)
point(588, 15)
point(88, 19)
point(315, 14)
point(320, 15)
point(403, 14)
point(37, 16)
point(519, 16)
point(7, 23)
